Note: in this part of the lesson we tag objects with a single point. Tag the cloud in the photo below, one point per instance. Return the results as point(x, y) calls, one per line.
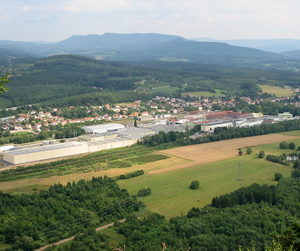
point(95, 6)
point(222, 19)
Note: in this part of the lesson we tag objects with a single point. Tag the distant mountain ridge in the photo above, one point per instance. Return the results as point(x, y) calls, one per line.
point(115, 40)
point(149, 46)
point(271, 45)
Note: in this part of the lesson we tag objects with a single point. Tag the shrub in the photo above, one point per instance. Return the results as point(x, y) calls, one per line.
point(144, 192)
point(195, 185)
point(283, 145)
point(297, 163)
point(240, 152)
point(292, 145)
point(296, 173)
point(278, 176)
point(261, 154)
point(249, 150)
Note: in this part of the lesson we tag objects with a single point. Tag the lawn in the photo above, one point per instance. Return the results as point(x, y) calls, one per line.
point(278, 91)
point(171, 195)
point(204, 94)
point(164, 89)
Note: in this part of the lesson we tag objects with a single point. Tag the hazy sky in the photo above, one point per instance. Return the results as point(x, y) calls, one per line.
point(56, 20)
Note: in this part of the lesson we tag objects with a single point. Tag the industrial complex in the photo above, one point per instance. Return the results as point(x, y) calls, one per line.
point(97, 138)
point(114, 135)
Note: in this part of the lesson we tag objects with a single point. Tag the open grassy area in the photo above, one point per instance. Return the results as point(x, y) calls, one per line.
point(274, 148)
point(204, 94)
point(171, 195)
point(278, 91)
point(164, 89)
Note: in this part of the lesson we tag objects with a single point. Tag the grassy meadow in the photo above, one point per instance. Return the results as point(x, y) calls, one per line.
point(276, 90)
point(171, 195)
point(204, 94)
point(164, 89)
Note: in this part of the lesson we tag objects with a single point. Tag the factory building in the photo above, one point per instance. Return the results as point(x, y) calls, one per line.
point(96, 129)
point(44, 152)
point(213, 125)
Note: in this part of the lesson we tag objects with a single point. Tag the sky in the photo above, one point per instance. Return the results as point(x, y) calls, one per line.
point(56, 20)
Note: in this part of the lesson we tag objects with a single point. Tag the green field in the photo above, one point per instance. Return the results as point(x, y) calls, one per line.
point(274, 148)
point(164, 89)
point(278, 91)
point(204, 94)
point(171, 195)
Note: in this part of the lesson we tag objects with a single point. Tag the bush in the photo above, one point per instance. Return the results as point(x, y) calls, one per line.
point(296, 173)
point(297, 163)
point(261, 154)
point(195, 185)
point(292, 145)
point(283, 145)
point(144, 192)
point(298, 149)
point(240, 152)
point(278, 176)
point(249, 150)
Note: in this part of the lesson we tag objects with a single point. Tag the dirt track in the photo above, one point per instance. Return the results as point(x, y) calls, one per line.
point(73, 237)
point(216, 151)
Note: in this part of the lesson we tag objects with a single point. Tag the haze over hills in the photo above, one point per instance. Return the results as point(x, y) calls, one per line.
point(150, 46)
point(271, 45)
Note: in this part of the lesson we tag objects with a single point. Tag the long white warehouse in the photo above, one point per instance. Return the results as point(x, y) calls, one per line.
point(103, 128)
point(44, 152)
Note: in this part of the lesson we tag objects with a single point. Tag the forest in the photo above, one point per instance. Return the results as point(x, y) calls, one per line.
point(29, 221)
point(69, 79)
point(251, 218)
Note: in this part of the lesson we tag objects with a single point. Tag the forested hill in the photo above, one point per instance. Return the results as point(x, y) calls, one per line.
point(114, 41)
point(201, 52)
point(62, 77)
point(151, 46)
point(39, 80)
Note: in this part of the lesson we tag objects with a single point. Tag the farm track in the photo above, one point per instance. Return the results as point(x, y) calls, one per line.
point(216, 151)
point(73, 237)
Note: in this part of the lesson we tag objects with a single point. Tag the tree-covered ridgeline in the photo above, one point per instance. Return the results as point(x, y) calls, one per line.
point(28, 221)
point(253, 224)
point(64, 79)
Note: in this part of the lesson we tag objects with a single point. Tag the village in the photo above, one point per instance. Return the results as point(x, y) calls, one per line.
point(175, 110)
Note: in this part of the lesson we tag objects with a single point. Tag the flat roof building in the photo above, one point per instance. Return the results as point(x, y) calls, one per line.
point(103, 128)
point(44, 152)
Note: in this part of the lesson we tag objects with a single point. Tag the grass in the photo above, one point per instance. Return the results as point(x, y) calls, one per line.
point(113, 237)
point(274, 148)
point(278, 91)
point(3, 246)
point(171, 195)
point(204, 94)
point(164, 89)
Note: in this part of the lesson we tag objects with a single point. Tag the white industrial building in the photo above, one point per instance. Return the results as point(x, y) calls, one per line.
point(211, 126)
point(44, 152)
point(104, 128)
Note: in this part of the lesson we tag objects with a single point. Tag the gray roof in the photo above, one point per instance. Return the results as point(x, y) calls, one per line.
point(110, 126)
point(43, 148)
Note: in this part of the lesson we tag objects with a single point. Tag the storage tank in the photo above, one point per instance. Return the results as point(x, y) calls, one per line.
point(52, 142)
point(45, 142)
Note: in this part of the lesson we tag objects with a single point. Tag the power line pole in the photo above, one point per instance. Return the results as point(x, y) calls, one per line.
point(240, 171)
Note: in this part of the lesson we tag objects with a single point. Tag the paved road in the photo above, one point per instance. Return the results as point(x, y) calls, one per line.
point(73, 237)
